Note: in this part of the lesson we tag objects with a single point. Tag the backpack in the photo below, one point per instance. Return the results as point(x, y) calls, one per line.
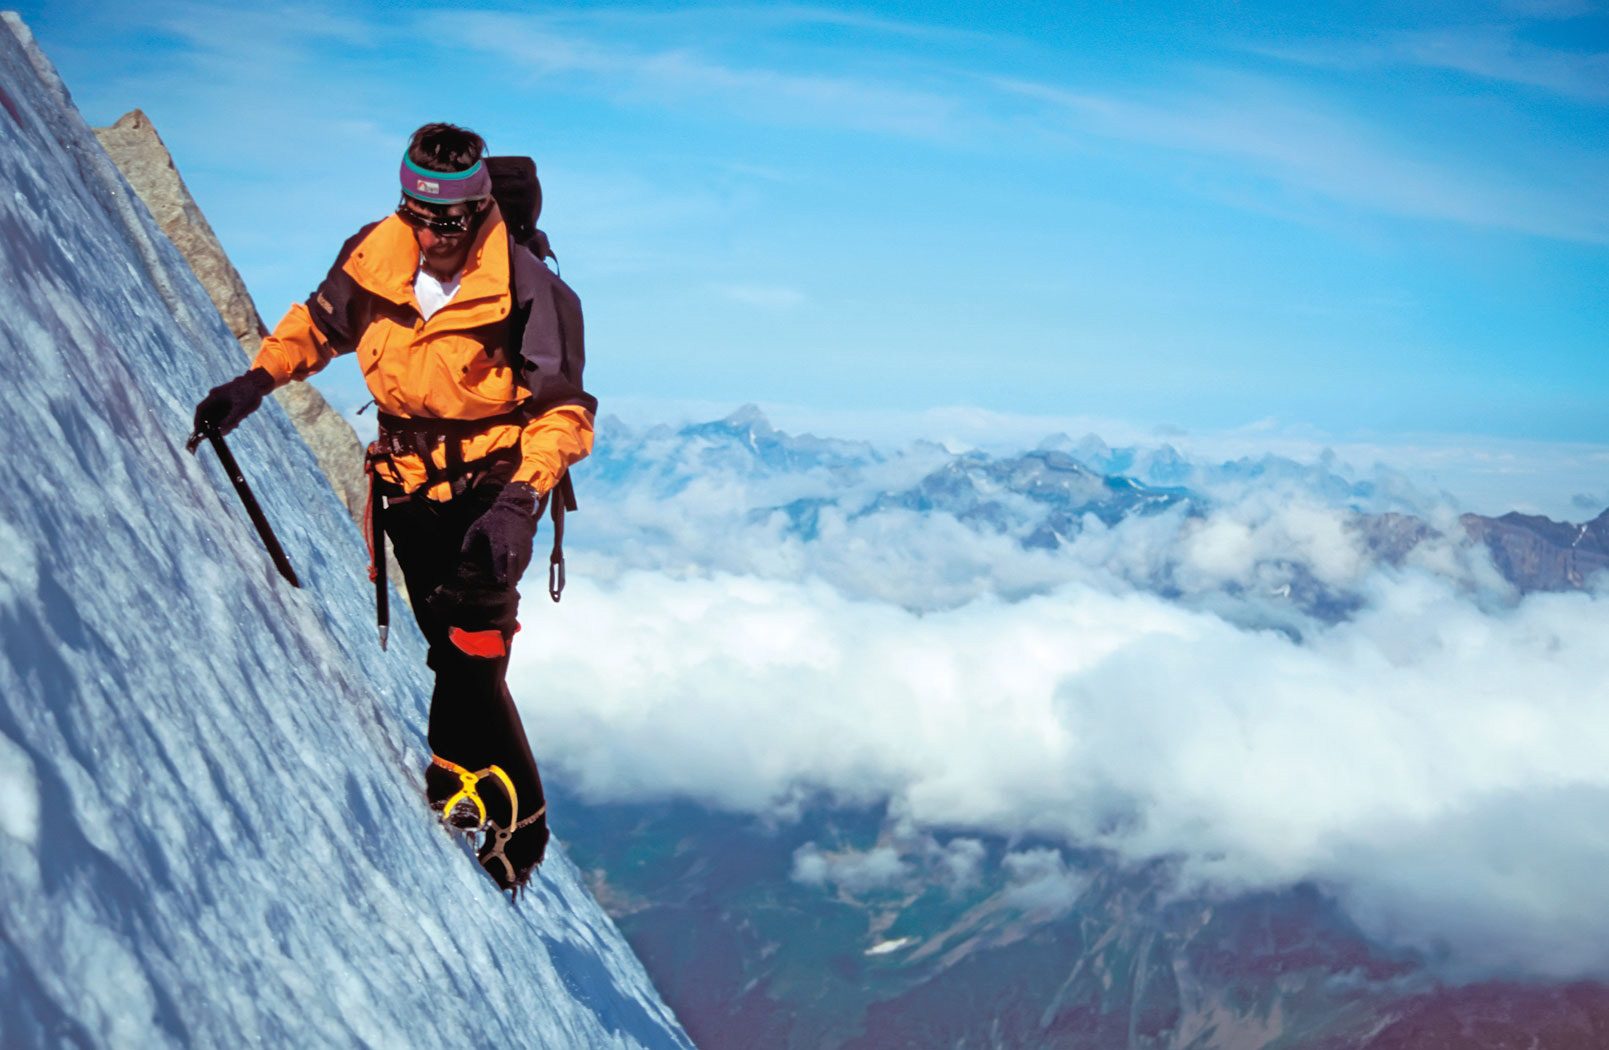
point(518, 193)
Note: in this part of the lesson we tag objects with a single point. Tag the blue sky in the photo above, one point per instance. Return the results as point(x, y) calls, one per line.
point(1369, 220)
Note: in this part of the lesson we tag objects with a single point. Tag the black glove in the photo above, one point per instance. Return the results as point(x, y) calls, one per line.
point(227, 404)
point(505, 532)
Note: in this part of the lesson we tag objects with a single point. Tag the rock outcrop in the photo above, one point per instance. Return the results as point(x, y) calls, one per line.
point(138, 151)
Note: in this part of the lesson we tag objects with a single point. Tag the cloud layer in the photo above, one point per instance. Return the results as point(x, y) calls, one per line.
point(1437, 756)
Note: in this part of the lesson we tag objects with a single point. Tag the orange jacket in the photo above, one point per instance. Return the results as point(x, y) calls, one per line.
point(457, 365)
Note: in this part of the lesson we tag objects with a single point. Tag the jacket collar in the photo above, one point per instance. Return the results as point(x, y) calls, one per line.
point(387, 260)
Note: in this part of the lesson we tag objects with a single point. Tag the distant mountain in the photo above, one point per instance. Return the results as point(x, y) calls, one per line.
point(773, 450)
point(978, 489)
point(1044, 499)
point(1539, 554)
point(744, 444)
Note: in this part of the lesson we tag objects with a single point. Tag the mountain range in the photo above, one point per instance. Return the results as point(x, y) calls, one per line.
point(1045, 497)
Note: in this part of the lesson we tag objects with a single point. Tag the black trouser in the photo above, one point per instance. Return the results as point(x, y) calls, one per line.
point(473, 720)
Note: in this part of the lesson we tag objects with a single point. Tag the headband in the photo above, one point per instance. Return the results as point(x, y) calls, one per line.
point(445, 187)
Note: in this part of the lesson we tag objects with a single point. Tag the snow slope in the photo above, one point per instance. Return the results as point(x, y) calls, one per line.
point(212, 830)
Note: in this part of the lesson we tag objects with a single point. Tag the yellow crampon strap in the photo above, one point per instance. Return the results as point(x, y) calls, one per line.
point(469, 781)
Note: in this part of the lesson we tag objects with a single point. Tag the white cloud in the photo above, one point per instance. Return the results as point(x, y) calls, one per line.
point(1104, 716)
point(1541, 851)
point(1039, 883)
point(1235, 544)
point(1266, 552)
point(958, 863)
point(854, 872)
point(906, 859)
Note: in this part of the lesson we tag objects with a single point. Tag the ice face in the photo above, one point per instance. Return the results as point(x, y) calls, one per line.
point(212, 828)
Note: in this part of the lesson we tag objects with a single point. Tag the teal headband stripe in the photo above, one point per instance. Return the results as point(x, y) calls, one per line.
point(443, 176)
point(445, 187)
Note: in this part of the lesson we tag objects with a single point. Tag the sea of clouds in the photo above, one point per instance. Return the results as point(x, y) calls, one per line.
point(1436, 753)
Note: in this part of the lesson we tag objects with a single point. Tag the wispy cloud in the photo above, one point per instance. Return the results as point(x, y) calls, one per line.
point(1290, 137)
point(1267, 127)
point(1497, 53)
point(1039, 882)
point(1543, 9)
point(656, 73)
point(806, 15)
point(1501, 55)
point(765, 296)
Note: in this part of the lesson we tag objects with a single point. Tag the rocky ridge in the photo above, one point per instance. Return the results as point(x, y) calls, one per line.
point(139, 152)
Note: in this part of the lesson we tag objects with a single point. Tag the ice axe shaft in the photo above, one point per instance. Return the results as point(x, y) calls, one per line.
point(382, 597)
point(253, 509)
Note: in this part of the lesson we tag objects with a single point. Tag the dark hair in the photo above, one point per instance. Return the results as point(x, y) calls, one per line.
point(445, 147)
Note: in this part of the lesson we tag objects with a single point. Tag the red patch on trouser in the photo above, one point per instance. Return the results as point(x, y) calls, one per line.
point(486, 644)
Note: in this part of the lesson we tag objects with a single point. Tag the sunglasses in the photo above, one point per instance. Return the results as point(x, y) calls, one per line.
point(442, 225)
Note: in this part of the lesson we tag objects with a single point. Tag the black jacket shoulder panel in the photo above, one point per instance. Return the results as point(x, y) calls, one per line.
point(339, 306)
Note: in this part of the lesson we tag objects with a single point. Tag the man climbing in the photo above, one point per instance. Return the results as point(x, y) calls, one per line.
point(472, 349)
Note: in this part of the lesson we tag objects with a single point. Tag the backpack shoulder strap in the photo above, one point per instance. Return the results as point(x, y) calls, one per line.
point(519, 314)
point(562, 498)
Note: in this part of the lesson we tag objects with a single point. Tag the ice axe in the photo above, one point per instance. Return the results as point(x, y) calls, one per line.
point(253, 510)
